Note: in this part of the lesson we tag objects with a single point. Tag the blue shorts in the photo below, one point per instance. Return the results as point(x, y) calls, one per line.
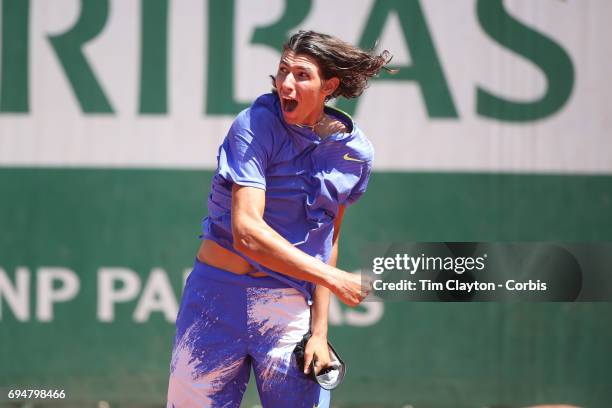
point(228, 323)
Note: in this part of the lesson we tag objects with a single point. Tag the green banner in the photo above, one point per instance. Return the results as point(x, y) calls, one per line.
point(92, 263)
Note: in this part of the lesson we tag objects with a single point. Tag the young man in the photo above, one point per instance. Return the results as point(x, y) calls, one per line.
point(287, 169)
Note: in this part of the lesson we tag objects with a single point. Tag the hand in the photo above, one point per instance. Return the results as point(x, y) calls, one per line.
point(316, 348)
point(351, 288)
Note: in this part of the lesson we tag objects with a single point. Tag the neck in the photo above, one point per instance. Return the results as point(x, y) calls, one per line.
point(315, 123)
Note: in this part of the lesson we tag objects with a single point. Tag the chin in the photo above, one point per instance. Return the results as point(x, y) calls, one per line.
point(290, 118)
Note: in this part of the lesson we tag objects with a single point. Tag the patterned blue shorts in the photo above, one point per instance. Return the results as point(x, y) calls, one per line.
point(228, 323)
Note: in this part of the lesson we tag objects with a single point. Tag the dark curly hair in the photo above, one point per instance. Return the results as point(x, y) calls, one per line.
point(336, 58)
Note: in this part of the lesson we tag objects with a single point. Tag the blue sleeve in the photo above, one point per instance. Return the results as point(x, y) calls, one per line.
point(361, 185)
point(243, 156)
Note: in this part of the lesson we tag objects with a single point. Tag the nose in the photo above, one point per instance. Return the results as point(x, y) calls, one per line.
point(287, 84)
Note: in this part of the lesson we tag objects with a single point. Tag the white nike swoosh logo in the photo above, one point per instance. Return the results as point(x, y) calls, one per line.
point(347, 157)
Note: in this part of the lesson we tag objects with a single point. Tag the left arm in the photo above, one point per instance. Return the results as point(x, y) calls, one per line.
point(320, 309)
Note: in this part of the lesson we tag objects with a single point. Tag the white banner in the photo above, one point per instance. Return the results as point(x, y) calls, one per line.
point(483, 85)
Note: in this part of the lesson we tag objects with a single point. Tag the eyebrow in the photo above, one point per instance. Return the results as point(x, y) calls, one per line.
point(302, 67)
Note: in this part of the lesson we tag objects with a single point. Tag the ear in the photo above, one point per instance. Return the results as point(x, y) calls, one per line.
point(330, 85)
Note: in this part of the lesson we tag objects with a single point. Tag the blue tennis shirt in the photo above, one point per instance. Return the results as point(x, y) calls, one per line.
point(306, 179)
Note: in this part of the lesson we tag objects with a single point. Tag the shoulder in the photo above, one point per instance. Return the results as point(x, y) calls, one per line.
point(264, 110)
point(259, 120)
point(354, 142)
point(360, 146)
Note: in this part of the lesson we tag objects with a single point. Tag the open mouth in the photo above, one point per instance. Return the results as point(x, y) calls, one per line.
point(289, 104)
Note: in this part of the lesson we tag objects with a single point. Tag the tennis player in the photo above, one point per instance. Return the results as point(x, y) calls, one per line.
point(287, 169)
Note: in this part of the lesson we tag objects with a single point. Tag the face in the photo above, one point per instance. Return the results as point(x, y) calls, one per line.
point(301, 89)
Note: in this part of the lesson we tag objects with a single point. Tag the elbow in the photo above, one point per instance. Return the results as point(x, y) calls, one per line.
point(244, 239)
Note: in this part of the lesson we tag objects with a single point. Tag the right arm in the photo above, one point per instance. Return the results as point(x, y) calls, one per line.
point(256, 239)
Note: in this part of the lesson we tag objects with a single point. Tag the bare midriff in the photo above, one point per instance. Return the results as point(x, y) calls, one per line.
point(215, 255)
